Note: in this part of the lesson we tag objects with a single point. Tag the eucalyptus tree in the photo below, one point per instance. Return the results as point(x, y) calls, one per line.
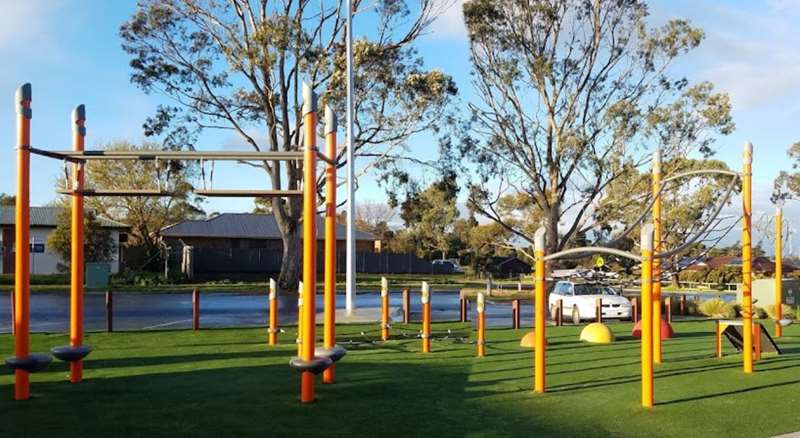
point(571, 95)
point(238, 65)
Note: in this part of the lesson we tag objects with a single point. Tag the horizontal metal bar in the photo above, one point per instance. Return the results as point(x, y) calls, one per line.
point(53, 154)
point(701, 172)
point(176, 155)
point(592, 250)
point(233, 193)
point(118, 193)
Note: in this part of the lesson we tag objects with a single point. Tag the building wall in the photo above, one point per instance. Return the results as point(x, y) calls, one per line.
point(47, 261)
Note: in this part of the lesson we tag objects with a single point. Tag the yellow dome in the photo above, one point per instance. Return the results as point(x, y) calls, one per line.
point(529, 340)
point(597, 333)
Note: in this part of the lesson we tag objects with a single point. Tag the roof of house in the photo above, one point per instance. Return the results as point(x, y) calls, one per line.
point(245, 226)
point(48, 217)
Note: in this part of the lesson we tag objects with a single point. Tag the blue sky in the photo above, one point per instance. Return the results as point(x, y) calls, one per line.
point(70, 52)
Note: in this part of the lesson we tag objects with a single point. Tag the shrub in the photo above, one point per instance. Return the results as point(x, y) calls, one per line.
point(717, 308)
point(759, 313)
point(786, 311)
point(692, 308)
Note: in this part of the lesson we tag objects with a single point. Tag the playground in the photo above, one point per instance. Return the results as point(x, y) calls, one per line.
point(223, 382)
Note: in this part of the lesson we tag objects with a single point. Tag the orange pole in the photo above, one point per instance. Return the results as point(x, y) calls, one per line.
point(747, 258)
point(778, 271)
point(481, 325)
point(719, 339)
point(77, 259)
point(657, 246)
point(309, 239)
point(539, 310)
point(647, 316)
point(22, 273)
point(757, 341)
point(273, 312)
point(329, 375)
point(384, 309)
point(426, 318)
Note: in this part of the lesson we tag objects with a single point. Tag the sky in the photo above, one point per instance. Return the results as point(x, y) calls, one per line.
point(70, 51)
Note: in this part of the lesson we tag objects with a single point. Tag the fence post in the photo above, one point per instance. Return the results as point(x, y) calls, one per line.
point(462, 308)
point(481, 343)
point(719, 338)
point(13, 325)
point(406, 306)
point(384, 309)
point(683, 304)
point(425, 297)
point(635, 309)
point(109, 312)
point(598, 305)
point(195, 310)
point(559, 316)
point(668, 305)
point(515, 311)
point(273, 312)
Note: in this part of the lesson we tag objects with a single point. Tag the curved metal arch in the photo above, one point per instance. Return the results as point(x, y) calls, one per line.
point(701, 172)
point(595, 250)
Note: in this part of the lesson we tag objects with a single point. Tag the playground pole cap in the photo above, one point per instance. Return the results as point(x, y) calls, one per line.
point(657, 157)
point(331, 121)
point(647, 237)
point(24, 94)
point(309, 99)
point(425, 296)
point(748, 152)
point(481, 302)
point(79, 113)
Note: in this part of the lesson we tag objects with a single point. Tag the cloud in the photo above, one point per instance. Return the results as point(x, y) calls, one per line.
point(450, 24)
point(26, 29)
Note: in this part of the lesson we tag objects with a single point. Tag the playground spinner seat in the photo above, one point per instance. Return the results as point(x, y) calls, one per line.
point(68, 353)
point(316, 365)
point(31, 363)
point(334, 353)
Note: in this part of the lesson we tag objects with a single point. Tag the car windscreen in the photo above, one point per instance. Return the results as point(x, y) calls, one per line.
point(588, 289)
point(610, 291)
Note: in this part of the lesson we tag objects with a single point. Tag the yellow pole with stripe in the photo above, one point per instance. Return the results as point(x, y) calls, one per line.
point(778, 271)
point(747, 258)
point(539, 309)
point(647, 316)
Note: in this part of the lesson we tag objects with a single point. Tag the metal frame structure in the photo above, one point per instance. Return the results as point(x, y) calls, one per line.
point(311, 360)
point(650, 257)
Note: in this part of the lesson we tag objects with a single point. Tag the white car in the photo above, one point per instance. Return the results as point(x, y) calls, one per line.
point(579, 301)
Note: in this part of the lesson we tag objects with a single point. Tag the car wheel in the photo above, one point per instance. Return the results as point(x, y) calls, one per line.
point(576, 316)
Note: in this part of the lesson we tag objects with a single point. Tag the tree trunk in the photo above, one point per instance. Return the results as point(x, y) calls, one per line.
point(291, 261)
point(551, 225)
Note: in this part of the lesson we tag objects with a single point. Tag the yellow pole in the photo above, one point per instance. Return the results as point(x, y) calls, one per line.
point(309, 239)
point(22, 278)
point(273, 312)
point(329, 375)
point(647, 316)
point(657, 262)
point(539, 309)
point(384, 309)
point(77, 260)
point(299, 339)
point(778, 271)
point(747, 258)
point(426, 317)
point(481, 325)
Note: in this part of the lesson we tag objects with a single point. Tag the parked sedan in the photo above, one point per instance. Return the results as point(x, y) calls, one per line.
point(579, 300)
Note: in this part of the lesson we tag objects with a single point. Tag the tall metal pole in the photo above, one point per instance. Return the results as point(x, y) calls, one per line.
point(778, 272)
point(76, 251)
point(657, 262)
point(22, 279)
point(539, 315)
point(350, 282)
point(647, 316)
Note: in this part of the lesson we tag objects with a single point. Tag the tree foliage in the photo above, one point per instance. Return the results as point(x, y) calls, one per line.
point(429, 216)
point(787, 184)
point(8, 200)
point(238, 65)
point(572, 96)
point(99, 245)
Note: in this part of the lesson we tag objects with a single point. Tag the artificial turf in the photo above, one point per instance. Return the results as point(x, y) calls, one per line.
point(229, 383)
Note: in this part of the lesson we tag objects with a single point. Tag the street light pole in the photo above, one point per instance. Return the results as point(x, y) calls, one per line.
point(350, 283)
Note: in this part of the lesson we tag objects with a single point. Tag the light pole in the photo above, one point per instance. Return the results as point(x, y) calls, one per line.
point(350, 272)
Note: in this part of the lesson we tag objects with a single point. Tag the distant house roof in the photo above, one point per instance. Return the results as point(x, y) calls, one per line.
point(48, 217)
point(245, 226)
point(760, 264)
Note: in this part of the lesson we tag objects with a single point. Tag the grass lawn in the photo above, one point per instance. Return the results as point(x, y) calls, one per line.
point(229, 383)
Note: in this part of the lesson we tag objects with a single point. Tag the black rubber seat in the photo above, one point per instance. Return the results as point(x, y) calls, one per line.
point(32, 363)
point(315, 365)
point(335, 353)
point(68, 353)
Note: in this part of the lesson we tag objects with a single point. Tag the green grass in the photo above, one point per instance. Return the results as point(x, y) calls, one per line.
point(229, 383)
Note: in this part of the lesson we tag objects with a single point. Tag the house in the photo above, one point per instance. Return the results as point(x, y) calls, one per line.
point(507, 267)
point(761, 265)
point(248, 230)
point(43, 222)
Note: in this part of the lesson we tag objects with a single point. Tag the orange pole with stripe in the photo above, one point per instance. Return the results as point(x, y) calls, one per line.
point(647, 316)
point(481, 325)
point(384, 309)
point(22, 238)
point(778, 271)
point(747, 258)
point(273, 312)
point(539, 310)
point(329, 375)
point(77, 258)
point(657, 357)
point(426, 317)
point(299, 339)
point(309, 239)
